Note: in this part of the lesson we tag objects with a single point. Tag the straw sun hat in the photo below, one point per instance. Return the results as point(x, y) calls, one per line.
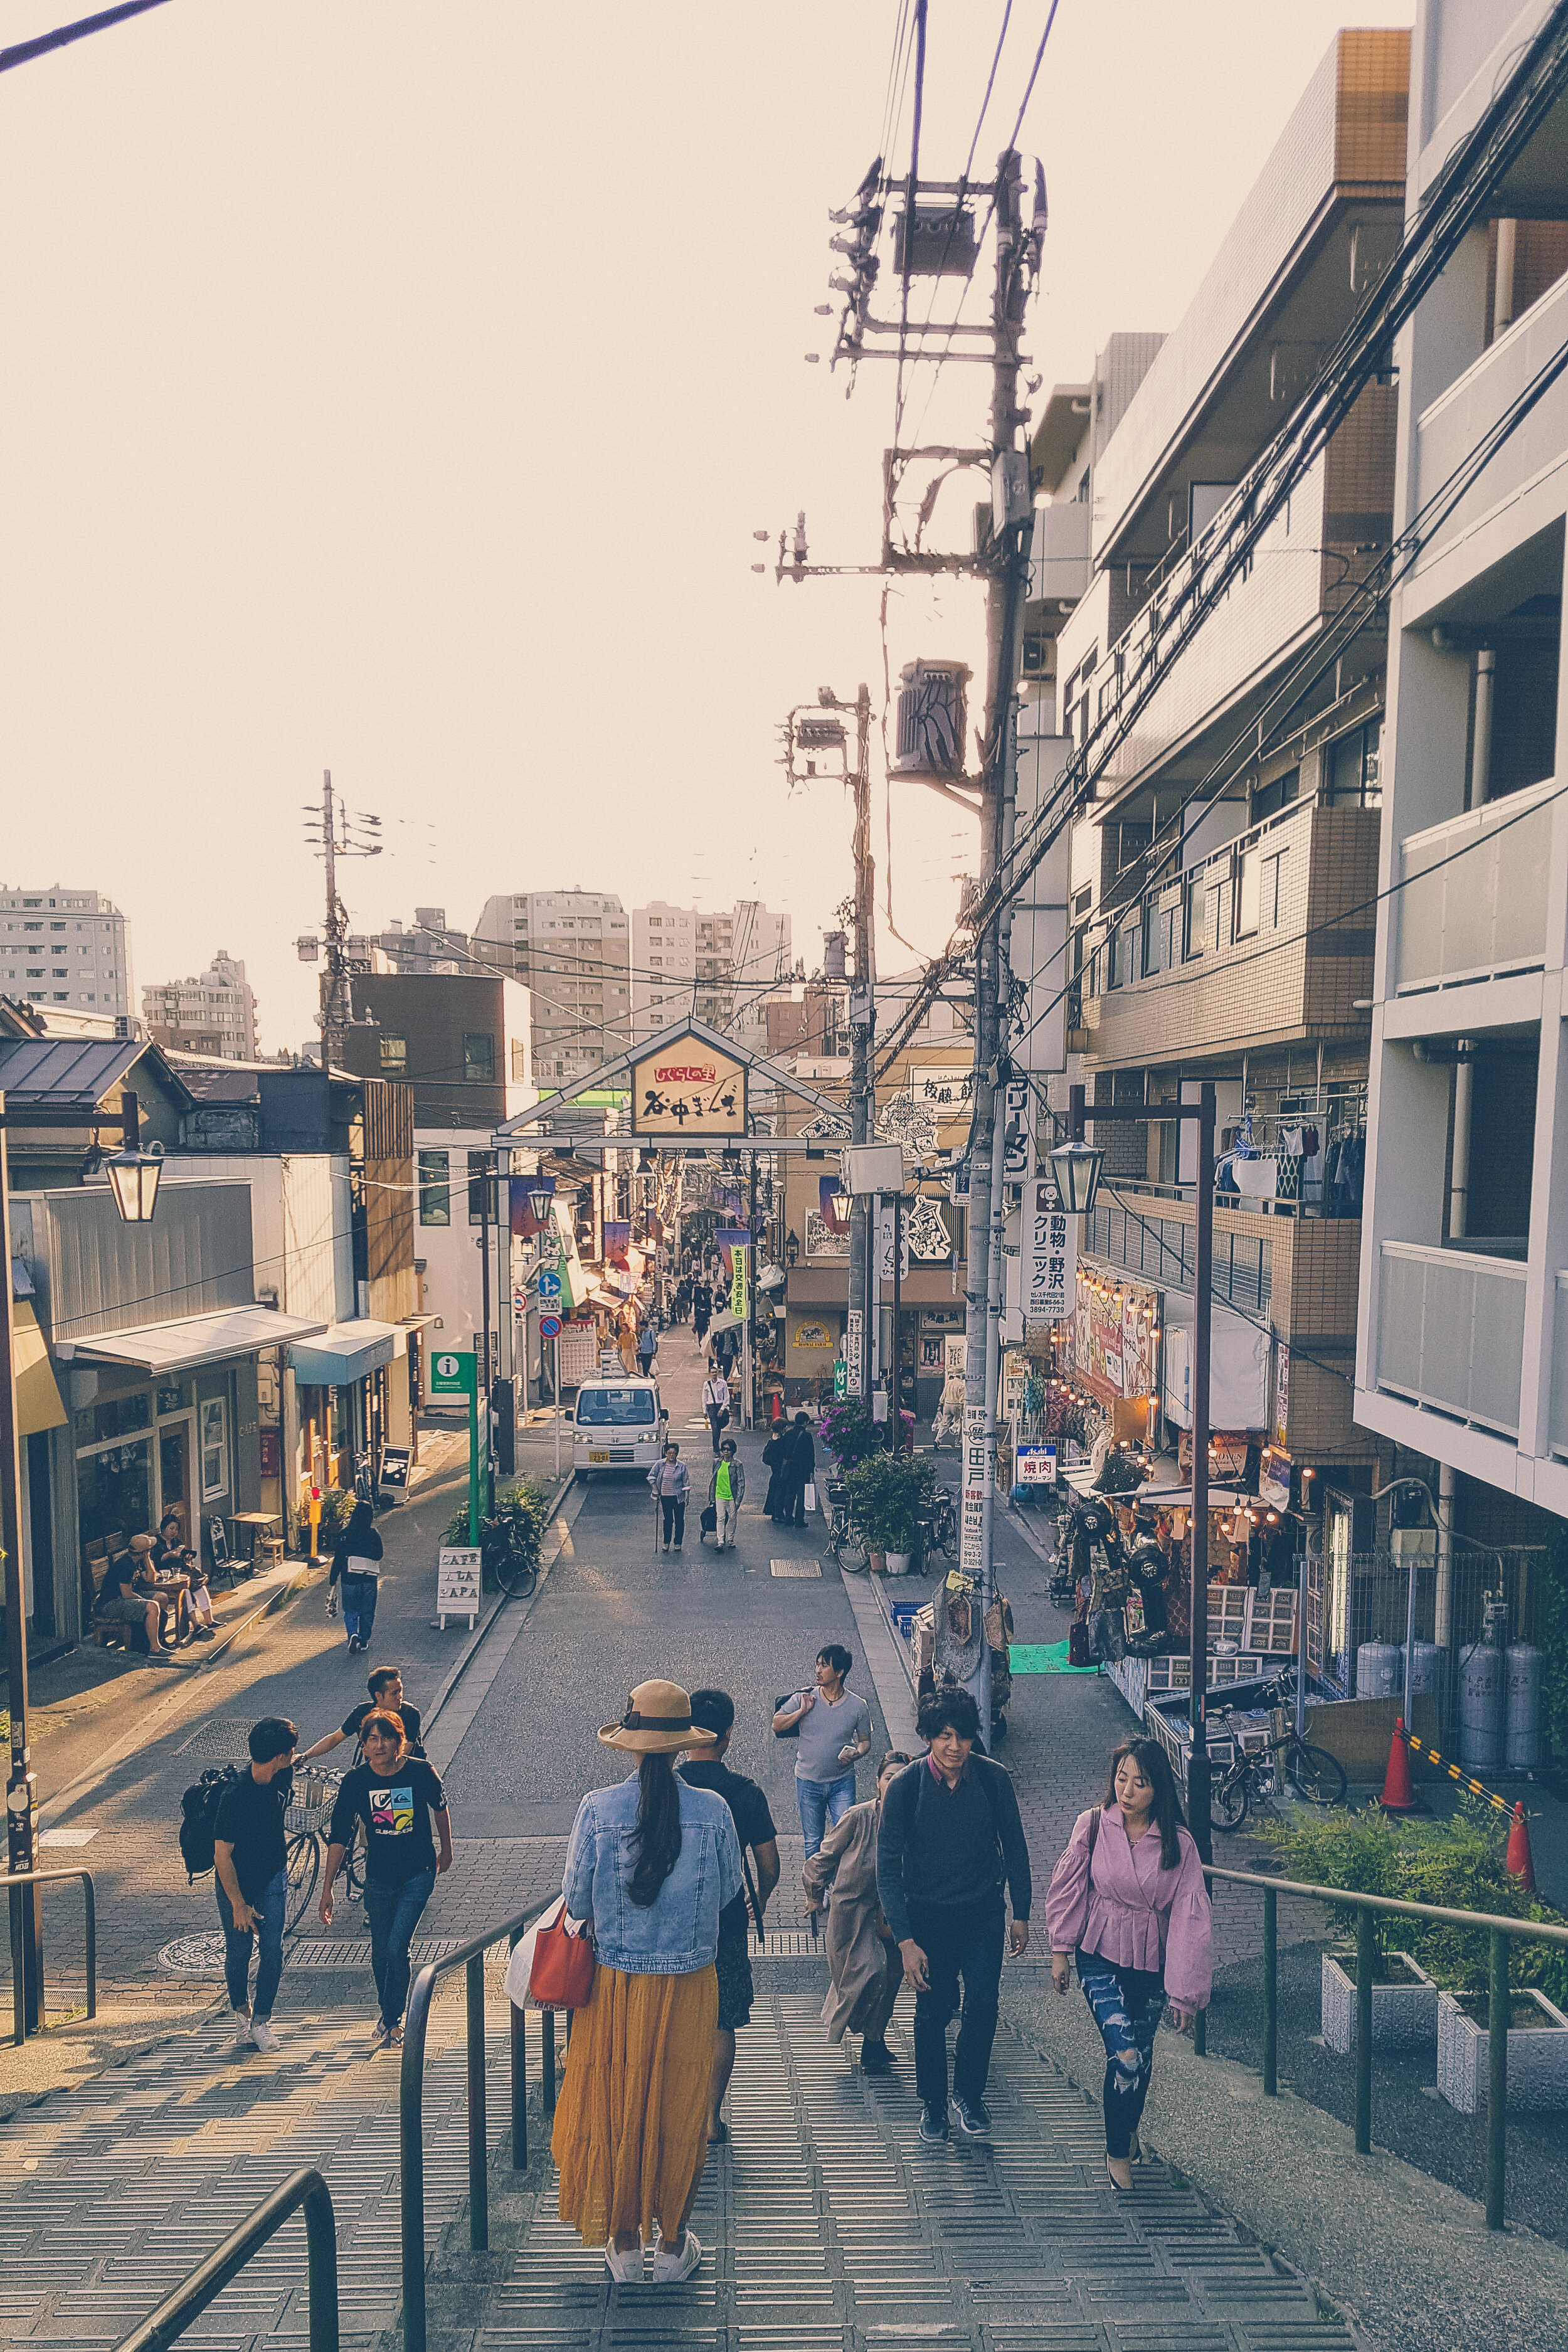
point(657, 1719)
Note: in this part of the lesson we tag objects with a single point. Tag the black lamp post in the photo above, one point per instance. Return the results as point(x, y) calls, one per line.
point(1078, 1165)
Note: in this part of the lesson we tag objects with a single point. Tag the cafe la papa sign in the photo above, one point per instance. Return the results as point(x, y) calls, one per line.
point(687, 1089)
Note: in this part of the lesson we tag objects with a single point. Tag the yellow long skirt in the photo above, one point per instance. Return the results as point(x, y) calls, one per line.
point(631, 2121)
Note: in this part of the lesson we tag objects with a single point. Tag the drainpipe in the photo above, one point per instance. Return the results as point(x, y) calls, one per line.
point(1480, 793)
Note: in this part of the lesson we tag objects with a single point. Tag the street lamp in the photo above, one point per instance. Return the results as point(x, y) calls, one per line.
point(133, 1174)
point(1077, 1167)
point(791, 1247)
point(539, 1201)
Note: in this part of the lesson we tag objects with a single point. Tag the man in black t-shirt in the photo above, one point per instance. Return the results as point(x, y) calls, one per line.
point(385, 1687)
point(390, 1798)
point(250, 1854)
point(715, 1710)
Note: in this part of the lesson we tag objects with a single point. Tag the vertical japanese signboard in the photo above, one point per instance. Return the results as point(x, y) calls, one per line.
point(1050, 1254)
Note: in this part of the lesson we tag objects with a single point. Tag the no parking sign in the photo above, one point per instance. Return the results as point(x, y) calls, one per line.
point(550, 1326)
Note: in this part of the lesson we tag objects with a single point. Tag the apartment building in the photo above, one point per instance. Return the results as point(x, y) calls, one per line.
point(570, 947)
point(212, 1014)
point(719, 968)
point(66, 947)
point(1238, 816)
point(1463, 1356)
point(421, 949)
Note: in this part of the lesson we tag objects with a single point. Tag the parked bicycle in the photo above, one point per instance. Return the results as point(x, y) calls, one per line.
point(305, 1823)
point(504, 1558)
point(1312, 1772)
point(936, 1525)
point(846, 1545)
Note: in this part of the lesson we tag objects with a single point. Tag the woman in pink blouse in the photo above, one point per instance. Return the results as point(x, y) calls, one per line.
point(1128, 1897)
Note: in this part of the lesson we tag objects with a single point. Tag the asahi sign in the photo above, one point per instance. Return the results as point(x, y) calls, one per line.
point(689, 1089)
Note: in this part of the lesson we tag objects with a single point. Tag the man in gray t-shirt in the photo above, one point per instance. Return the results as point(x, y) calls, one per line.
point(835, 1730)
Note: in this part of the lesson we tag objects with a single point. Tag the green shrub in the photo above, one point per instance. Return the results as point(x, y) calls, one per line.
point(1456, 1864)
point(522, 1515)
point(885, 1492)
point(337, 1510)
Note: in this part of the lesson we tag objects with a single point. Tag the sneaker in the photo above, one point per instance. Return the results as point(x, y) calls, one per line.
point(974, 2116)
point(206, 1632)
point(876, 2058)
point(933, 2123)
point(241, 2018)
point(624, 2269)
point(379, 2032)
point(261, 2033)
point(669, 2270)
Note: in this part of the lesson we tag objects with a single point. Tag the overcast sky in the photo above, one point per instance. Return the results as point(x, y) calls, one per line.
point(395, 385)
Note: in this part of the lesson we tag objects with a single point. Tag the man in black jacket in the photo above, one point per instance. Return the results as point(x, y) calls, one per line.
point(950, 1838)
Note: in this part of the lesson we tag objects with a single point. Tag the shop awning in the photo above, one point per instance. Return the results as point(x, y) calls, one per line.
point(345, 1352)
point(192, 1341)
point(38, 1405)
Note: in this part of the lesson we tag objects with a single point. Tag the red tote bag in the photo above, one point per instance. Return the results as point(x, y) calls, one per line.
point(561, 1976)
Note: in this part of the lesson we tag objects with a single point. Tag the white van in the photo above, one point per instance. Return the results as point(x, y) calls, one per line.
point(618, 1425)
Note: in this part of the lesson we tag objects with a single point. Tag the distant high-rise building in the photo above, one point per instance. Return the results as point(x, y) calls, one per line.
point(570, 949)
point(422, 948)
point(59, 946)
point(214, 1014)
point(716, 968)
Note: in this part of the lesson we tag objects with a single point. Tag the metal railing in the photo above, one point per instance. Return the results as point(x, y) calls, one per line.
point(192, 2296)
point(18, 1969)
point(1364, 1907)
point(470, 1958)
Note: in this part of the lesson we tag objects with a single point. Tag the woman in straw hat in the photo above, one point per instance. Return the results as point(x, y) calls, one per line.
point(651, 1864)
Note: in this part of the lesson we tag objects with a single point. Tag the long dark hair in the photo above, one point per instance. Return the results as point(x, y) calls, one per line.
point(658, 1831)
point(1155, 1766)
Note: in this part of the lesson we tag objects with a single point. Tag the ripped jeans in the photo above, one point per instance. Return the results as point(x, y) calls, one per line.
point(1127, 2005)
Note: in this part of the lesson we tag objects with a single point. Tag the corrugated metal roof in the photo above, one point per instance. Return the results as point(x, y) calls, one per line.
point(63, 1071)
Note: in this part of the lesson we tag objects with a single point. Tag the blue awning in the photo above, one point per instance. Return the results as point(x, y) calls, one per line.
point(345, 1352)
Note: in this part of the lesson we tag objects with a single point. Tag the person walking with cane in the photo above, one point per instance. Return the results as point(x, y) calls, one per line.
point(1128, 1898)
point(671, 1482)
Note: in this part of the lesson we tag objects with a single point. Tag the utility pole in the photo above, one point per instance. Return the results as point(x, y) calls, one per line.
point(865, 1291)
point(336, 1012)
point(1004, 610)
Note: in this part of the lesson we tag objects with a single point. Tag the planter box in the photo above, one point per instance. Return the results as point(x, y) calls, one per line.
point(899, 1563)
point(1404, 2015)
point(1537, 2056)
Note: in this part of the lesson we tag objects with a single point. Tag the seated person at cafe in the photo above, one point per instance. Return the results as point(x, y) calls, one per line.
point(169, 1591)
point(119, 1603)
point(171, 1555)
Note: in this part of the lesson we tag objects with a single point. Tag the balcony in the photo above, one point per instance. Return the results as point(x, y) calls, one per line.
point(1474, 902)
point(1242, 949)
point(1459, 419)
point(1450, 1333)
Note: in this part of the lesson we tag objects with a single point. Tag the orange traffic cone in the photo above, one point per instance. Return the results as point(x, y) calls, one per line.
point(1398, 1796)
point(1518, 1862)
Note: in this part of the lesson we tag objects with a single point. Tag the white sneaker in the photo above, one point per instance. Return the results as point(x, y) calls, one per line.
point(261, 2033)
point(669, 2269)
point(624, 2269)
point(241, 2018)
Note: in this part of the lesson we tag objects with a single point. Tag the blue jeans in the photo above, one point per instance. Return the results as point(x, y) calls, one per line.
point(1127, 2005)
point(956, 1943)
point(359, 1606)
point(237, 1941)
point(394, 1914)
point(822, 1802)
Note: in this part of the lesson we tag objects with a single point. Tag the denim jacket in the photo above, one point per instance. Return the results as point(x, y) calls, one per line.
point(678, 1931)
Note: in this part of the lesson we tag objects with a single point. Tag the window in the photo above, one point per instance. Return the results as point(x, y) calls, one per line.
point(394, 1054)
point(57, 927)
point(435, 1191)
point(1353, 767)
point(1196, 895)
point(1249, 892)
point(213, 1414)
point(1274, 890)
point(481, 1166)
point(479, 1058)
point(614, 1408)
point(33, 927)
point(520, 1061)
point(1269, 799)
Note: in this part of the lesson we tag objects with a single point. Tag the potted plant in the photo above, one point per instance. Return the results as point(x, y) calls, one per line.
point(850, 1434)
point(1360, 1852)
point(884, 1493)
point(1537, 2050)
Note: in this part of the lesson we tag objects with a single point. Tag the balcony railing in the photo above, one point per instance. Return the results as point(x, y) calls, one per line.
point(1559, 1368)
point(1450, 1333)
point(1473, 904)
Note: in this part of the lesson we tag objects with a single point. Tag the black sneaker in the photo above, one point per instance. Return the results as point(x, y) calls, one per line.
point(933, 2123)
point(876, 2058)
point(974, 2116)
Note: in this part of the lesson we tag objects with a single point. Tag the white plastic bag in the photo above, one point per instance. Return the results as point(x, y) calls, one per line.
point(811, 1494)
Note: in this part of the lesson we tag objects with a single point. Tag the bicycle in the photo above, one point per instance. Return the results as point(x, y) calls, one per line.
point(513, 1570)
point(847, 1546)
point(306, 1821)
point(938, 1524)
point(1313, 1774)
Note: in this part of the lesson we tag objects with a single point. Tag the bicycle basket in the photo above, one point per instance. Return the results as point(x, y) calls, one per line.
point(314, 1796)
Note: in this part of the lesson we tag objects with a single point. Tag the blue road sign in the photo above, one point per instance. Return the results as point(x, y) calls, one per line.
point(550, 1326)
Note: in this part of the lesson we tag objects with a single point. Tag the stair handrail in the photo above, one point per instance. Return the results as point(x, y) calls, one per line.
point(20, 1878)
point(191, 2297)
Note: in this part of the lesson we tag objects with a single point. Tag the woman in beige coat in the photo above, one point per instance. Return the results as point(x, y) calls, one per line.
point(862, 1958)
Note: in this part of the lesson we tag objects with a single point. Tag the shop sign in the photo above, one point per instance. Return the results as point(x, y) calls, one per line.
point(458, 1584)
point(689, 1089)
point(1281, 1391)
point(1115, 1346)
point(1015, 1379)
point(958, 1183)
point(394, 1467)
point(852, 1345)
point(1036, 1465)
point(840, 1378)
point(1274, 1478)
point(885, 1221)
point(1050, 1253)
point(948, 1091)
point(814, 1338)
point(737, 1256)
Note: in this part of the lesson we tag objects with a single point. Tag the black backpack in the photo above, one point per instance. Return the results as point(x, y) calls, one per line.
point(198, 1818)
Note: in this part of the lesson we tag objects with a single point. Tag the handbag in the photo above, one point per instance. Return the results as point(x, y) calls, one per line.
point(561, 1974)
point(358, 1563)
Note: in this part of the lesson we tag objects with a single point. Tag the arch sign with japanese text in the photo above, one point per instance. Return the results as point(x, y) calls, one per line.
point(687, 1090)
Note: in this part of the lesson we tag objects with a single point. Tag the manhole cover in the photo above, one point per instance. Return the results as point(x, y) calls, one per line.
point(225, 1742)
point(193, 1956)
